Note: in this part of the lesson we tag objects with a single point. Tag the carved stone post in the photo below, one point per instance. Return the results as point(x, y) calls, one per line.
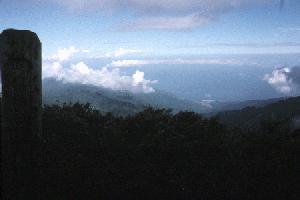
point(20, 62)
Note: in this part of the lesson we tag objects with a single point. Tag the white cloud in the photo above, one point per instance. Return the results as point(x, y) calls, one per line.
point(285, 80)
point(65, 53)
point(134, 63)
point(139, 81)
point(138, 77)
point(107, 78)
point(207, 103)
point(279, 79)
point(52, 69)
point(128, 63)
point(121, 52)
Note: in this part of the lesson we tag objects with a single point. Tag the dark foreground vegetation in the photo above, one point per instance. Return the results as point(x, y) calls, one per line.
point(159, 155)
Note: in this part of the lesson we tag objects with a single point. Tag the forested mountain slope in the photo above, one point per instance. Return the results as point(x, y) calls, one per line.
point(284, 110)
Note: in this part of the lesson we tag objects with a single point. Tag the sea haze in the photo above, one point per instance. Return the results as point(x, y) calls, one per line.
point(240, 81)
point(215, 82)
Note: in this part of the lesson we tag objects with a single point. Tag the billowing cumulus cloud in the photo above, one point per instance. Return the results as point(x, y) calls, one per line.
point(285, 80)
point(65, 53)
point(167, 14)
point(279, 80)
point(82, 73)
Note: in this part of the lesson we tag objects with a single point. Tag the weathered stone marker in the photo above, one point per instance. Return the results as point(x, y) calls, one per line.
point(20, 62)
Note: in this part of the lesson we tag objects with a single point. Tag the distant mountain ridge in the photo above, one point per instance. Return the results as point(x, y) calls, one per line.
point(117, 102)
point(285, 109)
point(124, 102)
point(237, 105)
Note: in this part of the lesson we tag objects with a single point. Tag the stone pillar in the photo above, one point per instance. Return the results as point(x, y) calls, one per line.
point(20, 62)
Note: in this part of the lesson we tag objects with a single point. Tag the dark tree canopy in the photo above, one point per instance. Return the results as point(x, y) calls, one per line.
point(157, 154)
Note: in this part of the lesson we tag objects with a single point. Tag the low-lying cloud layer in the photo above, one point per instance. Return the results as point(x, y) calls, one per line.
point(285, 80)
point(57, 68)
point(122, 52)
point(179, 61)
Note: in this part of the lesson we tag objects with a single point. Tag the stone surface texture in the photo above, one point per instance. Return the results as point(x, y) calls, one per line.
point(20, 62)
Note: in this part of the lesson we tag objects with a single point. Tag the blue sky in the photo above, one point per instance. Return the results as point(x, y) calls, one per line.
point(113, 43)
point(159, 28)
